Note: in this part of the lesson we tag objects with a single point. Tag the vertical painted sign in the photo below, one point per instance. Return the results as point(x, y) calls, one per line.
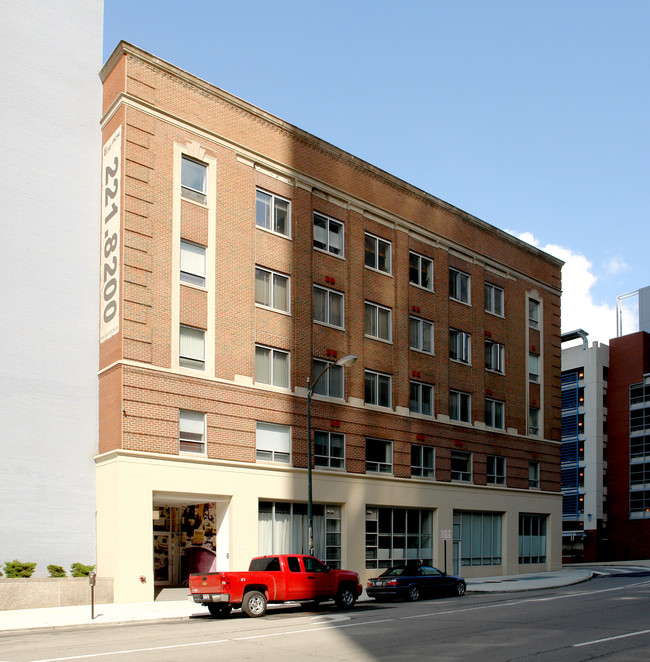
point(109, 295)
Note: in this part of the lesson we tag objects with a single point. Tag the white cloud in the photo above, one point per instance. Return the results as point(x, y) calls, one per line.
point(579, 310)
point(615, 265)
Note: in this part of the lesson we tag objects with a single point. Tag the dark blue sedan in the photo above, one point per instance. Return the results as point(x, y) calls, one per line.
point(413, 581)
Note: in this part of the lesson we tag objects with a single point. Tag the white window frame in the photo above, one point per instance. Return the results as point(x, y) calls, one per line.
point(373, 314)
point(463, 403)
point(328, 460)
point(533, 368)
point(494, 294)
point(495, 357)
point(188, 189)
point(460, 346)
point(270, 221)
point(375, 379)
point(270, 354)
point(416, 269)
point(423, 391)
point(193, 264)
point(533, 313)
point(459, 281)
point(384, 466)
point(373, 243)
point(327, 384)
point(272, 442)
point(423, 461)
point(422, 328)
point(329, 294)
point(187, 359)
point(273, 278)
point(491, 413)
point(533, 421)
point(328, 246)
point(191, 432)
point(495, 470)
point(464, 475)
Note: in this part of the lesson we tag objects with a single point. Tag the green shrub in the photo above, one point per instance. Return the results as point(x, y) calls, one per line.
point(56, 571)
point(81, 570)
point(16, 569)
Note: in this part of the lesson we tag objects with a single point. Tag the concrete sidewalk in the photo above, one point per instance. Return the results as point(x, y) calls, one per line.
point(142, 612)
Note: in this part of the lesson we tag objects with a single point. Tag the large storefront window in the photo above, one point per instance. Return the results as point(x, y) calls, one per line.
point(394, 535)
point(479, 534)
point(532, 539)
point(284, 529)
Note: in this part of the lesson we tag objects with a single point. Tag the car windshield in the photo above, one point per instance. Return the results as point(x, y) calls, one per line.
point(398, 570)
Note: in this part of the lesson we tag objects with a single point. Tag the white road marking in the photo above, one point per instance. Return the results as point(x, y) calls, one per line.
point(618, 636)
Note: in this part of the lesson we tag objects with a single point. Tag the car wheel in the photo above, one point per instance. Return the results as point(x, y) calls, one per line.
point(219, 611)
point(254, 604)
point(413, 594)
point(460, 588)
point(346, 597)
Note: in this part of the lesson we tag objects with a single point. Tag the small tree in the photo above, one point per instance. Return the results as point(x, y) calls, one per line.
point(17, 568)
point(81, 570)
point(56, 571)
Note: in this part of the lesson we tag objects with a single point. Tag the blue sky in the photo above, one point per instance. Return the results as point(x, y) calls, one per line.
point(532, 115)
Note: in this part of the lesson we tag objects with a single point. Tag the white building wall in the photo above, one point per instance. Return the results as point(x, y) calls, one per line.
point(50, 55)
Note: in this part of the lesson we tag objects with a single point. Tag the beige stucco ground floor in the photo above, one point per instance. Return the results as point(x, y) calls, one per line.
point(159, 518)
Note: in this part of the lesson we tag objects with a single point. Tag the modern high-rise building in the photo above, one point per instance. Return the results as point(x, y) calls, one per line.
point(241, 258)
point(50, 53)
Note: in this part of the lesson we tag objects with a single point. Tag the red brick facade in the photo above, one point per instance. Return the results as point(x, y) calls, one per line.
point(141, 389)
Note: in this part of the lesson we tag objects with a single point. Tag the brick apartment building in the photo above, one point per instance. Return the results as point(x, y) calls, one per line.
point(240, 257)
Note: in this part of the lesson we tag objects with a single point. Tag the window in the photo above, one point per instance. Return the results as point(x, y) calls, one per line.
point(461, 466)
point(421, 271)
point(378, 253)
point(421, 335)
point(271, 289)
point(494, 414)
point(272, 213)
point(533, 475)
point(533, 368)
point(422, 461)
point(191, 432)
point(192, 263)
point(496, 470)
point(328, 307)
point(193, 179)
point(460, 346)
point(533, 420)
point(533, 313)
point(395, 535)
point(421, 401)
point(460, 406)
point(494, 356)
point(329, 450)
point(283, 528)
point(379, 456)
point(639, 504)
point(191, 348)
point(378, 322)
point(273, 442)
point(480, 536)
point(459, 286)
point(271, 366)
point(331, 383)
point(532, 539)
point(328, 234)
point(378, 389)
point(493, 299)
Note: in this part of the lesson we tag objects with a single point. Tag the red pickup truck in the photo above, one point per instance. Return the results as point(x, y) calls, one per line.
point(278, 578)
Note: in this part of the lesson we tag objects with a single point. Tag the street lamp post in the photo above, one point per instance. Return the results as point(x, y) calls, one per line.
point(345, 362)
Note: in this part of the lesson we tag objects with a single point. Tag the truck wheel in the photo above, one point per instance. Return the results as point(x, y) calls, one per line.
point(414, 594)
point(254, 604)
point(219, 611)
point(346, 597)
